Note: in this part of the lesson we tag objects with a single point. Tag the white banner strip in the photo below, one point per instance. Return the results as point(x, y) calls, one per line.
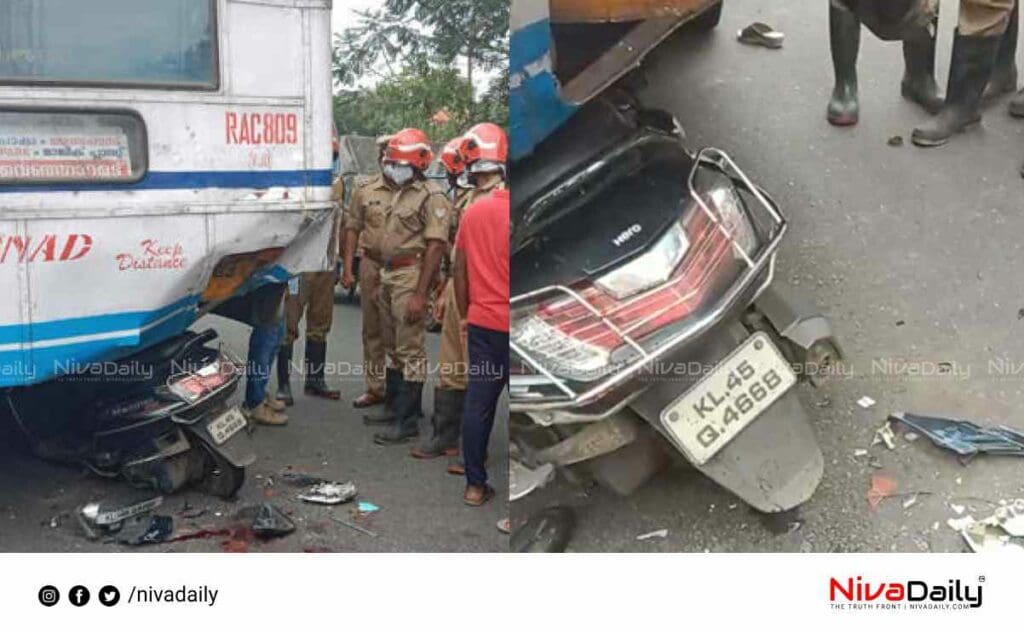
point(505, 592)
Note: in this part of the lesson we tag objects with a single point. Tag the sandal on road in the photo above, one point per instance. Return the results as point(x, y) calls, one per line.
point(367, 400)
point(476, 496)
point(761, 34)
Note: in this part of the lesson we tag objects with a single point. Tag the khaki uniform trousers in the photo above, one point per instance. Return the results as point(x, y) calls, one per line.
point(454, 362)
point(396, 288)
point(316, 299)
point(378, 343)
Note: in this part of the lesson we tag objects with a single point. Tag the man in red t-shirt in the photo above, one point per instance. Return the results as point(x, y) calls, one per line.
point(482, 293)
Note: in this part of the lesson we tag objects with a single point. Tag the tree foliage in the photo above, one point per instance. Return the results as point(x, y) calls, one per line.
point(413, 51)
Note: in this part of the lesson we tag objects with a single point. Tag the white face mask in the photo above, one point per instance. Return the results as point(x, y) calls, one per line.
point(401, 175)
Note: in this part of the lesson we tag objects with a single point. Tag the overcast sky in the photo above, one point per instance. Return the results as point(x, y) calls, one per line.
point(343, 15)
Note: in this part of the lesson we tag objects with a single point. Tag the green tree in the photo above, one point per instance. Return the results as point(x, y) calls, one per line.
point(437, 31)
point(412, 99)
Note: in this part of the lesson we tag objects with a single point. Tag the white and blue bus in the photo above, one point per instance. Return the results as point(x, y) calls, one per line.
point(157, 157)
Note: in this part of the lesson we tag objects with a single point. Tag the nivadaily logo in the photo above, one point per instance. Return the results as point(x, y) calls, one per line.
point(857, 593)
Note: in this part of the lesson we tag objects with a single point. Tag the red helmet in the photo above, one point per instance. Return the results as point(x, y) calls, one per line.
point(451, 157)
point(410, 147)
point(485, 142)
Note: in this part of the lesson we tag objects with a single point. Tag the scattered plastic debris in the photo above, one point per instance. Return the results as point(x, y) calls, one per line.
point(895, 141)
point(365, 507)
point(959, 509)
point(330, 493)
point(662, 533)
point(909, 501)
point(104, 518)
point(860, 452)
point(882, 488)
point(145, 530)
point(965, 438)
point(960, 523)
point(866, 402)
point(270, 522)
point(761, 34)
point(884, 435)
point(1001, 531)
point(910, 436)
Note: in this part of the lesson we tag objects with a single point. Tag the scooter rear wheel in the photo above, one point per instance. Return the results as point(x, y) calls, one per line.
point(220, 477)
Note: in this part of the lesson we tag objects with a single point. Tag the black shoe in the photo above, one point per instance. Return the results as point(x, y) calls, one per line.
point(844, 35)
point(316, 356)
point(1017, 104)
point(969, 71)
point(446, 425)
point(407, 416)
point(918, 83)
point(1004, 73)
point(392, 386)
point(284, 367)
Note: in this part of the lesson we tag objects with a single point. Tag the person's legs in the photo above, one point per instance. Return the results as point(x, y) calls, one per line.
point(1004, 73)
point(293, 314)
point(319, 317)
point(264, 342)
point(449, 396)
point(373, 347)
point(267, 320)
point(488, 377)
point(410, 354)
point(979, 33)
point(393, 370)
point(844, 37)
point(918, 83)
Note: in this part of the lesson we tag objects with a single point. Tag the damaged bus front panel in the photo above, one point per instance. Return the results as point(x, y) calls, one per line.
point(157, 157)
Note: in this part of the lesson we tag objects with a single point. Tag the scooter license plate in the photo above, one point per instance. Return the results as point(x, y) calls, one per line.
point(708, 416)
point(226, 425)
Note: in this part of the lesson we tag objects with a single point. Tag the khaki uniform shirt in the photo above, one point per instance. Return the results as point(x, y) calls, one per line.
point(400, 222)
point(367, 211)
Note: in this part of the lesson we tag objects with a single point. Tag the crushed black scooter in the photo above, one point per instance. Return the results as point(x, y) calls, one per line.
point(644, 321)
point(160, 419)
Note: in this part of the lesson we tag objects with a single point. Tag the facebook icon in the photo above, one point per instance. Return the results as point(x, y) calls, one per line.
point(79, 596)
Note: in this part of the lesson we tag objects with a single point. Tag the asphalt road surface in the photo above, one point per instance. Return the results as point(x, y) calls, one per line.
point(914, 254)
point(421, 507)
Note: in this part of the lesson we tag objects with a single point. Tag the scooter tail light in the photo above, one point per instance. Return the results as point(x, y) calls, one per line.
point(195, 385)
point(593, 329)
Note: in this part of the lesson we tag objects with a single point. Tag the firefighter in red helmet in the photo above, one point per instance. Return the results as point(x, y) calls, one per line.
point(482, 153)
point(410, 238)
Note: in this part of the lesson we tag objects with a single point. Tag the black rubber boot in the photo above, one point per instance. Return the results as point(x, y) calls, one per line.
point(284, 369)
point(316, 356)
point(446, 425)
point(407, 416)
point(392, 385)
point(1004, 73)
point(969, 71)
point(844, 35)
point(918, 83)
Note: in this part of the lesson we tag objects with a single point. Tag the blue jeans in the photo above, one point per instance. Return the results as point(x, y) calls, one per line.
point(263, 344)
point(488, 377)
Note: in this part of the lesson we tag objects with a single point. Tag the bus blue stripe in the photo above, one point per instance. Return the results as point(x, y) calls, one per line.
point(194, 180)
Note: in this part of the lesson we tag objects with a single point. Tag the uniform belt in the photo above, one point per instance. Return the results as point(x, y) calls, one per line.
point(401, 261)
